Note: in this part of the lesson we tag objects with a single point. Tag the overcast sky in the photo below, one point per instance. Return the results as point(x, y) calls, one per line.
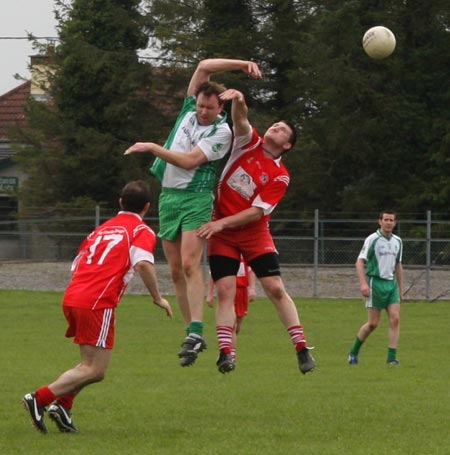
point(17, 17)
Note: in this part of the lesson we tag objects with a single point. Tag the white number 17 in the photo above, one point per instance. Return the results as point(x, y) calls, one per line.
point(112, 239)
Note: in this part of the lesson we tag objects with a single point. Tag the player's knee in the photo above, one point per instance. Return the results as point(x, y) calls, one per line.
point(394, 320)
point(98, 375)
point(190, 267)
point(92, 373)
point(225, 288)
point(372, 326)
point(177, 274)
point(275, 291)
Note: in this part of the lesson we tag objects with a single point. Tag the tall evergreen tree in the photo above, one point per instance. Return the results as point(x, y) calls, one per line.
point(371, 129)
point(99, 105)
point(280, 26)
point(190, 31)
point(229, 31)
point(372, 133)
point(425, 94)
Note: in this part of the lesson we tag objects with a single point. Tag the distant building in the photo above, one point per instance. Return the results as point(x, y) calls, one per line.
point(12, 114)
point(170, 87)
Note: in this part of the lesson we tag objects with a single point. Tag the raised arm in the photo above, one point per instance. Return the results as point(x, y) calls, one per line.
point(211, 66)
point(239, 111)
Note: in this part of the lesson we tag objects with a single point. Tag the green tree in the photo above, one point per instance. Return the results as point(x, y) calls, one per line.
point(371, 131)
point(99, 103)
point(229, 30)
point(192, 30)
point(189, 31)
point(426, 96)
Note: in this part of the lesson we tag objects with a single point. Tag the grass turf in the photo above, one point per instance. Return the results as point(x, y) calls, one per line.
point(148, 404)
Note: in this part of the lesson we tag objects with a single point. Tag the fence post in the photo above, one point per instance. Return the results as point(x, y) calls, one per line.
point(428, 258)
point(23, 239)
point(97, 216)
point(316, 251)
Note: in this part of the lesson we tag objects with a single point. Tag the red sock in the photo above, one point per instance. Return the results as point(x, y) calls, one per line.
point(224, 334)
point(44, 396)
point(297, 337)
point(66, 401)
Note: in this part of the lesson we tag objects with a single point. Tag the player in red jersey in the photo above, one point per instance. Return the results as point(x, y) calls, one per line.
point(253, 181)
point(105, 264)
point(245, 293)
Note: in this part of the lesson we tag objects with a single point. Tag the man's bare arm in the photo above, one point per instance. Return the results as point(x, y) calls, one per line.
point(211, 66)
point(239, 111)
point(186, 161)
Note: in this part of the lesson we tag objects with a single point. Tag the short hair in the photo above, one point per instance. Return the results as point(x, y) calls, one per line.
point(388, 212)
point(293, 136)
point(135, 195)
point(210, 88)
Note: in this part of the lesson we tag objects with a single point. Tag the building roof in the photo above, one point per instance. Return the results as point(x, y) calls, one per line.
point(12, 109)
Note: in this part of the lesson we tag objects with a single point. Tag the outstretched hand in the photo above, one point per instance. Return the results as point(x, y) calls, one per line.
point(231, 94)
point(138, 147)
point(253, 70)
point(209, 229)
point(165, 305)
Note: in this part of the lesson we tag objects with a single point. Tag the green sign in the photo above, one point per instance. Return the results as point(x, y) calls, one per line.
point(9, 184)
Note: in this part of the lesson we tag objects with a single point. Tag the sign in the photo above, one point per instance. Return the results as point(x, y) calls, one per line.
point(9, 184)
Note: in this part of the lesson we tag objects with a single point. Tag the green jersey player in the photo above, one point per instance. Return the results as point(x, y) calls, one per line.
point(186, 166)
point(380, 272)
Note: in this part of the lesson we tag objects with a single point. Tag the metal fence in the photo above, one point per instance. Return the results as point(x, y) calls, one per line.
point(313, 242)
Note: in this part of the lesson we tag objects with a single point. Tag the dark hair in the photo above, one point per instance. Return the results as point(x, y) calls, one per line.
point(293, 136)
point(209, 88)
point(135, 195)
point(389, 212)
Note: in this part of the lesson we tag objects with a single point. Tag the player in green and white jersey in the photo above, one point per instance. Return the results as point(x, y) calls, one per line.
point(186, 166)
point(380, 272)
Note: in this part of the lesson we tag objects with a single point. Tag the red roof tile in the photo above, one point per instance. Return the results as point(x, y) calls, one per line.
point(12, 108)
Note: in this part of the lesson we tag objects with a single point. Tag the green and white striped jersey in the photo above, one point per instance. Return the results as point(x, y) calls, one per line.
point(382, 254)
point(214, 140)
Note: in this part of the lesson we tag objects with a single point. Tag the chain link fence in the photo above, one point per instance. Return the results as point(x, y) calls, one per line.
point(316, 249)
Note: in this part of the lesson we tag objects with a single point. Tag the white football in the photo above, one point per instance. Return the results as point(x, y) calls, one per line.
point(379, 42)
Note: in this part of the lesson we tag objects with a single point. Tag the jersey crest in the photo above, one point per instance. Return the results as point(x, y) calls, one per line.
point(241, 182)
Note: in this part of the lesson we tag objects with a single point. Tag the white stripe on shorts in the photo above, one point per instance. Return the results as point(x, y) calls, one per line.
point(107, 314)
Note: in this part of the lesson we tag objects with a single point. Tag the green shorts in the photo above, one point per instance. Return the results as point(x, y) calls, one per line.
point(181, 210)
point(382, 293)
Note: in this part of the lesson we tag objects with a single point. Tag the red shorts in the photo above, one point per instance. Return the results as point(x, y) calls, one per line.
point(241, 302)
point(250, 242)
point(93, 327)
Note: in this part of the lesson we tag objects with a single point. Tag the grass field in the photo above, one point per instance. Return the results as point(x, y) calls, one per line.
point(150, 405)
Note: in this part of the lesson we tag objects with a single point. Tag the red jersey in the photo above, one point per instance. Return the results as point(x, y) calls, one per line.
point(250, 179)
point(105, 262)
